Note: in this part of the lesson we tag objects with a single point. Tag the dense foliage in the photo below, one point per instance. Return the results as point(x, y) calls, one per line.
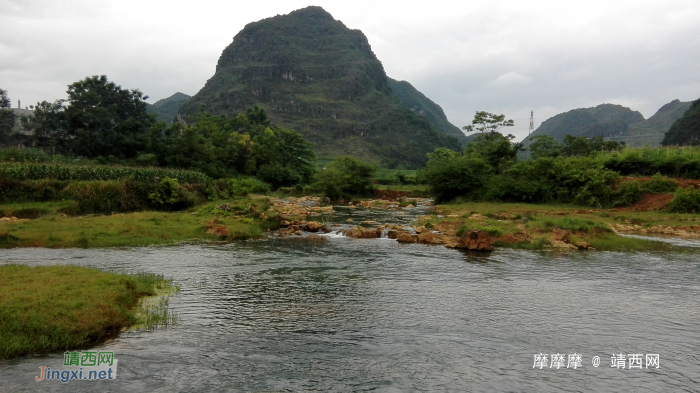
point(99, 118)
point(39, 171)
point(487, 170)
point(344, 178)
point(223, 146)
point(571, 146)
point(686, 130)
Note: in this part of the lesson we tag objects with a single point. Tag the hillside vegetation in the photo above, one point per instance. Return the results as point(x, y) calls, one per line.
point(686, 130)
point(167, 108)
point(650, 132)
point(314, 75)
point(607, 120)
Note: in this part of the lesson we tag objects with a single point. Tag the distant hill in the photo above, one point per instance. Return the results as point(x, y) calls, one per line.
point(314, 75)
point(650, 132)
point(608, 120)
point(167, 107)
point(422, 105)
point(686, 130)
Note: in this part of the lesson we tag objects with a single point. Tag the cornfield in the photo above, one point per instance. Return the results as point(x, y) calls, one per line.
point(38, 171)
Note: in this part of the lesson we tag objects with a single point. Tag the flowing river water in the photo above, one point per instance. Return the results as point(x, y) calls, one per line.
point(371, 314)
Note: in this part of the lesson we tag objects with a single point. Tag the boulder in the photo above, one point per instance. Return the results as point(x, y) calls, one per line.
point(405, 237)
point(476, 240)
point(313, 226)
point(317, 238)
point(430, 237)
point(359, 232)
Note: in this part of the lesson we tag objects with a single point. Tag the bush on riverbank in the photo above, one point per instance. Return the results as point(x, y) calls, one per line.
point(344, 178)
point(57, 308)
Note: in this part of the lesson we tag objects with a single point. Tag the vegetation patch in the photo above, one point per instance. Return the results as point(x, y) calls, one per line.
point(246, 219)
point(58, 308)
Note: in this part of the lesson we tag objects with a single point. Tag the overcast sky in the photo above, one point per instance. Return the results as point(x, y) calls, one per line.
point(505, 57)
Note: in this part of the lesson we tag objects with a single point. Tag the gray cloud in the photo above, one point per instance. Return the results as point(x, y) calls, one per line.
point(501, 56)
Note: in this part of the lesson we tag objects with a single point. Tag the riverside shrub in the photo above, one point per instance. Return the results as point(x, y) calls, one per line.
point(686, 201)
point(345, 178)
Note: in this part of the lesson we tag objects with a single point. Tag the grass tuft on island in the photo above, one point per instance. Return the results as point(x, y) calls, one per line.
point(244, 219)
point(57, 308)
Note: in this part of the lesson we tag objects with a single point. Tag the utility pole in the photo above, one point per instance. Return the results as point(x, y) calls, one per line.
point(530, 131)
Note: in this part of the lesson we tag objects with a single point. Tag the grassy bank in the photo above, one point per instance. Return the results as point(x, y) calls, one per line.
point(529, 226)
point(56, 308)
point(49, 228)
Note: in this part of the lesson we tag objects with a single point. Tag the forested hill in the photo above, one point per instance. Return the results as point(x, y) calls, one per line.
point(651, 131)
point(314, 75)
point(167, 107)
point(608, 120)
point(422, 105)
point(686, 130)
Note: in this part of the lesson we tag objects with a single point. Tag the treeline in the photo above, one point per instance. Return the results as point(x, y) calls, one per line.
point(103, 123)
point(487, 170)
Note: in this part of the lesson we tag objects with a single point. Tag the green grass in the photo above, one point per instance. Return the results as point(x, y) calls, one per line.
point(613, 242)
point(570, 224)
point(135, 229)
point(57, 308)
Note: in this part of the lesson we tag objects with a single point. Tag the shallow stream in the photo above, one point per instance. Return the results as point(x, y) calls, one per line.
point(371, 314)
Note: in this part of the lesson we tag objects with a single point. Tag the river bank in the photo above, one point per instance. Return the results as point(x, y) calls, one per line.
point(54, 308)
point(520, 226)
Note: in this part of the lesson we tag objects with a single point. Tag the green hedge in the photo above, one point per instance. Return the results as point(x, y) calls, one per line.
point(40, 171)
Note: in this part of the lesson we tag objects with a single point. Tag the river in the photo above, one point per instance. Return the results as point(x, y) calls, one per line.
point(371, 314)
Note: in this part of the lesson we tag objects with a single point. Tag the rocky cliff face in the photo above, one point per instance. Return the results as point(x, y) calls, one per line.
point(314, 75)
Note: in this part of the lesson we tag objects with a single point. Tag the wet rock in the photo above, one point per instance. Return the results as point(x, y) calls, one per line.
point(421, 229)
point(313, 226)
point(359, 232)
point(405, 237)
point(562, 245)
point(317, 238)
point(284, 223)
point(393, 234)
point(430, 238)
point(475, 240)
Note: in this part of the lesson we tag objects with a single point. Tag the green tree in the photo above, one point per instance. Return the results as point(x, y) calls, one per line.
point(485, 123)
point(7, 117)
point(103, 119)
point(451, 175)
point(498, 150)
point(4, 99)
point(344, 178)
point(223, 146)
point(544, 146)
point(48, 125)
